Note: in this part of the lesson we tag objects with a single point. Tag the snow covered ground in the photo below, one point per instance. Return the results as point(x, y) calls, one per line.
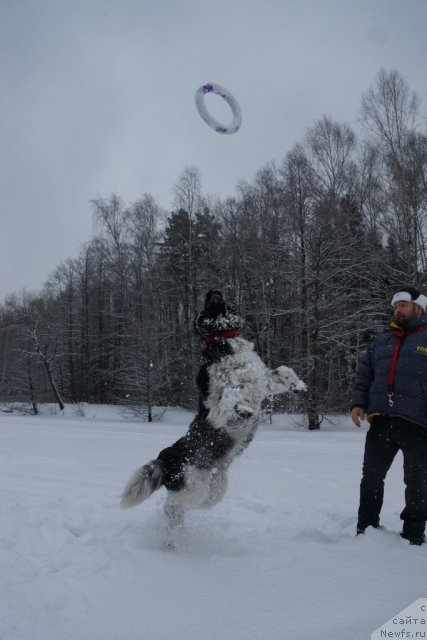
point(276, 560)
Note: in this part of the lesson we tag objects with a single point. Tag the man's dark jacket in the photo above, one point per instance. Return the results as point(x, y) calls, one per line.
point(370, 389)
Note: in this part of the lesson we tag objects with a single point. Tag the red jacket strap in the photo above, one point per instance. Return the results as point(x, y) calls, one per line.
point(401, 336)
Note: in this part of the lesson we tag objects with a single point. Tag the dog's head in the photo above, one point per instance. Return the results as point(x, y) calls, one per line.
point(214, 305)
point(216, 317)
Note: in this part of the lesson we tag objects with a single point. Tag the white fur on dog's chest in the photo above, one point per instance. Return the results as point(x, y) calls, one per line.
point(237, 386)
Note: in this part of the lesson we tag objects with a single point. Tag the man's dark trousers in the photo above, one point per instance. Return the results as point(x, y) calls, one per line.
point(385, 437)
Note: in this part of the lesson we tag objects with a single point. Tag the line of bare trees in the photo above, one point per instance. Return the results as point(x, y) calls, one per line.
point(309, 253)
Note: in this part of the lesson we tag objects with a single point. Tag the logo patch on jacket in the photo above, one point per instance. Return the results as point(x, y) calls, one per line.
point(422, 349)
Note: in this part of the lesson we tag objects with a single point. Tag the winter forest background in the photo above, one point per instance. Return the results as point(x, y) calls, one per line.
point(309, 253)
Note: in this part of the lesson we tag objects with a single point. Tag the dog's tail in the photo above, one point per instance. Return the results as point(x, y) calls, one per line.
point(142, 484)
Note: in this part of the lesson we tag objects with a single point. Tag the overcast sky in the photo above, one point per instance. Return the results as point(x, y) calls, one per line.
point(98, 98)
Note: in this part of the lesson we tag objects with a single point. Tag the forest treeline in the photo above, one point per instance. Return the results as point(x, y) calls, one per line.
point(309, 253)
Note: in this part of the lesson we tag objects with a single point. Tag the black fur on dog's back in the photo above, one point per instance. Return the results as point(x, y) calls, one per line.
point(201, 446)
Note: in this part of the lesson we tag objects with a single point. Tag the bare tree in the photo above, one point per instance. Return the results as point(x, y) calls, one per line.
point(187, 192)
point(389, 112)
point(45, 347)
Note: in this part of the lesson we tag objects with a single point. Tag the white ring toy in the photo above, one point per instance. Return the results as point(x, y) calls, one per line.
point(199, 99)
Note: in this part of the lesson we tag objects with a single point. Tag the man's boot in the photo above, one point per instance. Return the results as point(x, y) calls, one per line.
point(413, 530)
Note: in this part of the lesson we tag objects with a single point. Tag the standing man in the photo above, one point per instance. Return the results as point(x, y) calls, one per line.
point(390, 388)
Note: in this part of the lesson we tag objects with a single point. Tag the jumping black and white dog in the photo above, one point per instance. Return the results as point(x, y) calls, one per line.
point(233, 381)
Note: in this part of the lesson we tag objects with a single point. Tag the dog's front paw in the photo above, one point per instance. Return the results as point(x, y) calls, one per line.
point(289, 379)
point(300, 386)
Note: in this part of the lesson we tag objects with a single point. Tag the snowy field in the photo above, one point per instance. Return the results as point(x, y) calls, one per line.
point(276, 560)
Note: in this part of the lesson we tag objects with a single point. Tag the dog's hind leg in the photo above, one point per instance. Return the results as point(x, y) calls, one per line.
point(175, 515)
point(175, 522)
point(218, 487)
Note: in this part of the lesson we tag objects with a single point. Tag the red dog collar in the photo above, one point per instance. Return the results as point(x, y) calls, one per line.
point(231, 333)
